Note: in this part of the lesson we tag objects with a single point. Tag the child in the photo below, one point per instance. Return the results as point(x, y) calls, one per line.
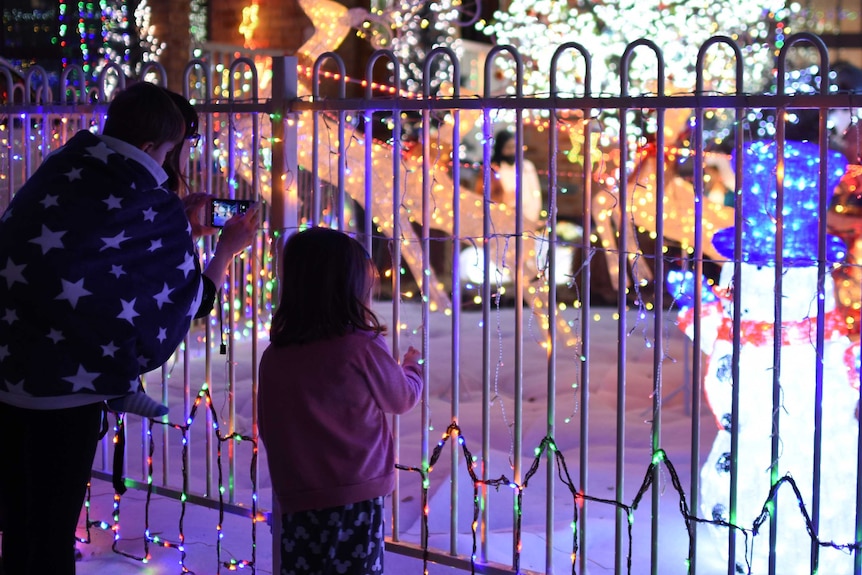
point(327, 381)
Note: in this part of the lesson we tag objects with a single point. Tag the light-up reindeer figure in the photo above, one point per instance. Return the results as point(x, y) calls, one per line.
point(407, 171)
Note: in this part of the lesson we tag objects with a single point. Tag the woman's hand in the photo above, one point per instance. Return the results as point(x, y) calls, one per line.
point(196, 206)
point(237, 234)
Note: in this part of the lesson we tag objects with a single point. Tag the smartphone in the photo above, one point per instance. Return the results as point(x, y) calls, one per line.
point(222, 209)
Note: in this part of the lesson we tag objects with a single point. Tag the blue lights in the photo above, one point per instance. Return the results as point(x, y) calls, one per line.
point(681, 285)
point(801, 199)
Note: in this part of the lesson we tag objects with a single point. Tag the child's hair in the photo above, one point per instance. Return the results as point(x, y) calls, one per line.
point(326, 282)
point(143, 113)
point(501, 138)
point(177, 181)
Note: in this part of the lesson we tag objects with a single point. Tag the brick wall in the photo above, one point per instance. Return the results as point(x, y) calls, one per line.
point(171, 21)
point(225, 16)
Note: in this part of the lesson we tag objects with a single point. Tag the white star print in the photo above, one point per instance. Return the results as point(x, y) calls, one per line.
point(10, 316)
point(56, 335)
point(4, 352)
point(16, 388)
point(82, 380)
point(72, 292)
point(100, 151)
point(74, 174)
point(109, 350)
point(49, 200)
point(114, 203)
point(13, 273)
point(142, 361)
point(129, 314)
point(114, 242)
point(154, 245)
point(162, 297)
point(117, 271)
point(187, 266)
point(150, 215)
point(48, 240)
point(163, 335)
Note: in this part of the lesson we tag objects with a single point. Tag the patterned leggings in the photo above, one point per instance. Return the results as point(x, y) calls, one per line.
point(346, 540)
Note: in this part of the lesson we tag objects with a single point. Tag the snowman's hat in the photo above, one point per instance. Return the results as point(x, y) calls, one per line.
point(801, 200)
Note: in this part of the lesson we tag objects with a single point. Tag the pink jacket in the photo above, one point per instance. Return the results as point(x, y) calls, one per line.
point(322, 412)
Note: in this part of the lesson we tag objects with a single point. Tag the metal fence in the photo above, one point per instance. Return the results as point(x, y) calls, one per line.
point(565, 444)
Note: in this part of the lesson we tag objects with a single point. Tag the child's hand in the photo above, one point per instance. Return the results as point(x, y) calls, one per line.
point(412, 356)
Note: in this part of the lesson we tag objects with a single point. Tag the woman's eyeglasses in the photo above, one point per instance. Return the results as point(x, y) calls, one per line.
point(194, 139)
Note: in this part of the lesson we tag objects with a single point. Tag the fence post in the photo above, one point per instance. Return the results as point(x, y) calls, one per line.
point(284, 203)
point(284, 206)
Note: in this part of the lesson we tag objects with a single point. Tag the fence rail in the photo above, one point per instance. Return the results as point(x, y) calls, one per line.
point(579, 379)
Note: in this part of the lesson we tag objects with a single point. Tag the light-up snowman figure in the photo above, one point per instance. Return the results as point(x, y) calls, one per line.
point(798, 332)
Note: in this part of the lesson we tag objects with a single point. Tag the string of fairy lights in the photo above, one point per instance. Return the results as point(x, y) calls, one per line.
point(204, 398)
point(90, 31)
point(678, 27)
point(547, 444)
point(548, 447)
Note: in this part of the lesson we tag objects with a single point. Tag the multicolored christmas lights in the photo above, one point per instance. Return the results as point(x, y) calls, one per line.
point(548, 447)
point(202, 401)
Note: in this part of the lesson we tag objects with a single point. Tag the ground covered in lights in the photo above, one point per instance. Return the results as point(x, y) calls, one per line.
point(200, 524)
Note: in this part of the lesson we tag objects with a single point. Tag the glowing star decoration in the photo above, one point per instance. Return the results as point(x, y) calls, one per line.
point(249, 24)
point(756, 368)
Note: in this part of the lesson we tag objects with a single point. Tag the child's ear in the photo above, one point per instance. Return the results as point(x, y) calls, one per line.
point(147, 146)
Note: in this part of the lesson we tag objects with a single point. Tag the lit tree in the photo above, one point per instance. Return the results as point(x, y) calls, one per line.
point(411, 30)
point(130, 42)
point(678, 27)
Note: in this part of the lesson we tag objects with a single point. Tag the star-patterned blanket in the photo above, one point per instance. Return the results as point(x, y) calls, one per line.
point(99, 278)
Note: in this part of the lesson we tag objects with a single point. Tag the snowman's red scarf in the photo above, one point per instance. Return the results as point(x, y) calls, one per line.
point(762, 333)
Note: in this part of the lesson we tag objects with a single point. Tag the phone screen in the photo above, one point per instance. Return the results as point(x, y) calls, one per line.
point(221, 210)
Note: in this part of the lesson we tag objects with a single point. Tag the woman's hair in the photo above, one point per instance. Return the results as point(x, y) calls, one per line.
point(501, 138)
point(846, 78)
point(177, 181)
point(143, 113)
point(326, 282)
